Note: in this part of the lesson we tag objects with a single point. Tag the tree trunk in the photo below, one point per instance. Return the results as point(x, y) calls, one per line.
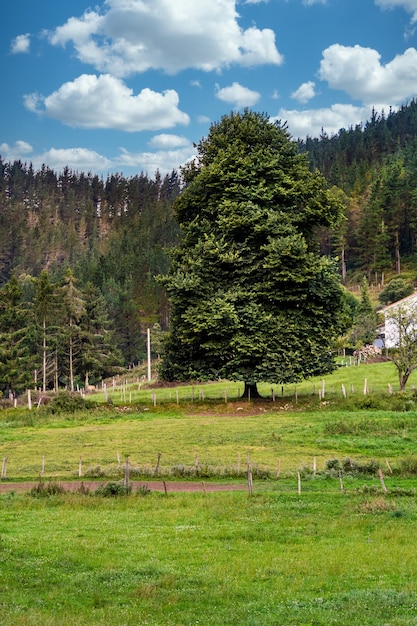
point(71, 362)
point(251, 392)
point(44, 356)
point(397, 253)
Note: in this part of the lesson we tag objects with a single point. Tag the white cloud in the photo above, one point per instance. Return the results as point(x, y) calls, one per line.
point(238, 95)
point(408, 5)
point(163, 160)
point(80, 159)
point(305, 92)
point(311, 2)
point(85, 160)
point(106, 102)
point(132, 36)
point(165, 140)
point(332, 119)
point(21, 43)
point(18, 151)
point(358, 71)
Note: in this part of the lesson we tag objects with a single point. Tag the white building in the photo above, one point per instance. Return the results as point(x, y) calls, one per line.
point(392, 326)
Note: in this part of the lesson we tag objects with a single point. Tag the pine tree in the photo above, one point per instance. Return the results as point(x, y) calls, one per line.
point(252, 300)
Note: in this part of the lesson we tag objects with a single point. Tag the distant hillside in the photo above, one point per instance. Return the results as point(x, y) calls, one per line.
point(115, 232)
point(375, 166)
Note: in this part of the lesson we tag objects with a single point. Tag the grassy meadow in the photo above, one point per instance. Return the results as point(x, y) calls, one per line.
point(335, 548)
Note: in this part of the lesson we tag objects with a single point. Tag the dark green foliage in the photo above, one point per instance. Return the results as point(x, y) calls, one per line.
point(113, 490)
point(45, 490)
point(16, 340)
point(375, 165)
point(351, 467)
point(365, 319)
point(396, 289)
point(68, 403)
point(112, 233)
point(252, 300)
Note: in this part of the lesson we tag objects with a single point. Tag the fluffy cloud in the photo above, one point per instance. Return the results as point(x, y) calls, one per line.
point(18, 151)
point(331, 120)
point(163, 160)
point(408, 5)
point(79, 159)
point(174, 151)
point(238, 95)
point(358, 71)
point(305, 92)
point(105, 102)
point(133, 36)
point(21, 43)
point(169, 141)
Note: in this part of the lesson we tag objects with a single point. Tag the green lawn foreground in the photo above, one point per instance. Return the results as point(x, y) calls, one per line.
point(319, 557)
point(323, 557)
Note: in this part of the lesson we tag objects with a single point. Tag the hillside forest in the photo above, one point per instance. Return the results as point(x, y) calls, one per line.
point(80, 254)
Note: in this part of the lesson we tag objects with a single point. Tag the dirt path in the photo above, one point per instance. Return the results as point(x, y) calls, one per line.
point(152, 485)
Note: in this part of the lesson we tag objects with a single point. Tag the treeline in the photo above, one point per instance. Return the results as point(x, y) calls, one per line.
point(112, 233)
point(54, 335)
point(374, 169)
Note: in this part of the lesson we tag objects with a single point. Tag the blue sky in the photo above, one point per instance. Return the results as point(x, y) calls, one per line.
point(130, 85)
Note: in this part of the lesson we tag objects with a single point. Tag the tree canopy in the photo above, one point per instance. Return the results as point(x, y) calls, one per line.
point(252, 299)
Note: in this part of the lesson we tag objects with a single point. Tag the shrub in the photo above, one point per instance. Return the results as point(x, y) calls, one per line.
point(408, 465)
point(94, 472)
point(42, 490)
point(66, 402)
point(349, 466)
point(143, 490)
point(113, 490)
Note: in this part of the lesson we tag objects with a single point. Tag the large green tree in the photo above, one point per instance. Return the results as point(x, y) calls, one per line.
point(16, 337)
point(252, 299)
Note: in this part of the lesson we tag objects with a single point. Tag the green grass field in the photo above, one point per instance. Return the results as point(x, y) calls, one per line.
point(339, 552)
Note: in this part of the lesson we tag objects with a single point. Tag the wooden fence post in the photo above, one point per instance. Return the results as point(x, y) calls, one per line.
point(381, 478)
point(127, 472)
point(4, 467)
point(157, 463)
point(250, 481)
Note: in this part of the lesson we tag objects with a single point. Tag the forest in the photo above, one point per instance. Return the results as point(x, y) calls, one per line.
point(80, 254)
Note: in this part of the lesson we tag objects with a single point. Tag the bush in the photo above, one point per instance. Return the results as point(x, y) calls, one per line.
point(349, 466)
point(408, 465)
point(113, 490)
point(94, 472)
point(397, 289)
point(66, 402)
point(42, 490)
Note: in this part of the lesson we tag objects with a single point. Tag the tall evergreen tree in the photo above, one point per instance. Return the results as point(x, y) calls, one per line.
point(251, 298)
point(16, 359)
point(46, 304)
point(74, 308)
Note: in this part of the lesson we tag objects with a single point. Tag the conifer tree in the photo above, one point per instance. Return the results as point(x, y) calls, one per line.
point(252, 299)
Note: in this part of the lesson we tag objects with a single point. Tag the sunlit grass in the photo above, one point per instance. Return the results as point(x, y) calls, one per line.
point(322, 558)
point(271, 436)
